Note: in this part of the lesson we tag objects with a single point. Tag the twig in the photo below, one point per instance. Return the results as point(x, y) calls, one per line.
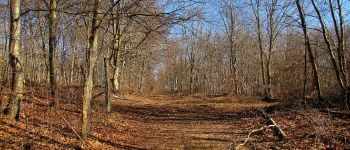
point(68, 124)
point(252, 132)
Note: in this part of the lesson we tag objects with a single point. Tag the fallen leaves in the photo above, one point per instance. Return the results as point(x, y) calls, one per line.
point(169, 122)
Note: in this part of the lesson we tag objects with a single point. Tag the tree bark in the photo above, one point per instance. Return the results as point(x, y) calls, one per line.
point(116, 52)
point(106, 82)
point(88, 85)
point(329, 48)
point(17, 77)
point(340, 35)
point(271, 30)
point(52, 50)
point(316, 82)
point(116, 77)
point(6, 36)
point(261, 49)
point(192, 61)
point(341, 43)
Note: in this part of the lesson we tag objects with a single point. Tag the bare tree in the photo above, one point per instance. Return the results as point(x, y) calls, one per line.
point(230, 21)
point(315, 82)
point(326, 37)
point(17, 77)
point(256, 6)
point(92, 58)
point(52, 50)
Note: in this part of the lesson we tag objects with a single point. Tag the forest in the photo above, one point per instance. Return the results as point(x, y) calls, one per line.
point(174, 74)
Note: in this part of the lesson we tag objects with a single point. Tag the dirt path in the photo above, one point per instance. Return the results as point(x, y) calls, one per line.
point(193, 122)
point(169, 122)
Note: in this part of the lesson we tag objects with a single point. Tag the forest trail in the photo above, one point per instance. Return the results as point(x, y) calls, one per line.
point(160, 121)
point(278, 78)
point(188, 122)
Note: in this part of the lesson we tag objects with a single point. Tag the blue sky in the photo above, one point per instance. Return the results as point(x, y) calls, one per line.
point(211, 9)
point(212, 15)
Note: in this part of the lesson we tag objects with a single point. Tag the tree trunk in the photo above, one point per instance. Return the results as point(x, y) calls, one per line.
point(257, 17)
point(2, 61)
point(341, 43)
point(230, 25)
point(271, 28)
point(17, 77)
point(116, 53)
point(52, 50)
point(72, 66)
point(339, 34)
point(6, 36)
point(329, 49)
point(141, 78)
point(233, 66)
point(191, 57)
point(339, 30)
point(88, 85)
point(116, 79)
point(316, 83)
point(106, 82)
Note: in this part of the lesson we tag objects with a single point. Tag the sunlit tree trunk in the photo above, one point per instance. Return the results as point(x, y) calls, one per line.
point(340, 38)
point(116, 50)
point(326, 39)
point(339, 30)
point(341, 43)
point(106, 84)
point(92, 58)
point(116, 76)
point(271, 45)
point(142, 75)
point(17, 77)
point(72, 66)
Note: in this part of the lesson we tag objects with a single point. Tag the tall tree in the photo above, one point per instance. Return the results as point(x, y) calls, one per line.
point(17, 77)
point(340, 46)
point(256, 10)
point(230, 21)
point(117, 40)
point(92, 58)
point(315, 82)
point(52, 50)
point(326, 37)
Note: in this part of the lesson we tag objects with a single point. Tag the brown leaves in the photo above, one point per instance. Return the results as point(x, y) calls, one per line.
point(175, 122)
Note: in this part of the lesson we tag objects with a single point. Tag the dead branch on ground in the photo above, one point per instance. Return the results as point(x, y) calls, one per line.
point(252, 132)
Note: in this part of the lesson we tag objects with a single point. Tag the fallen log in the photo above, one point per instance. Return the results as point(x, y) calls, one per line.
point(271, 124)
point(276, 129)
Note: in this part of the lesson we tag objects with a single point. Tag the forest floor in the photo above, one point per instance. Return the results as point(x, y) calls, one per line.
point(160, 121)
